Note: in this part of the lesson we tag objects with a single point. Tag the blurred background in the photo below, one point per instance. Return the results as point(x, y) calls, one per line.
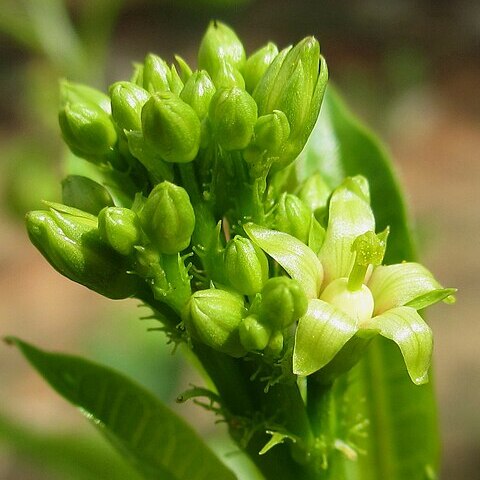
point(409, 69)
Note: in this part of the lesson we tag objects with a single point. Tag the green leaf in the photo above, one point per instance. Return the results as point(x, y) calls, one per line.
point(402, 433)
point(321, 334)
point(408, 330)
point(298, 260)
point(74, 456)
point(157, 442)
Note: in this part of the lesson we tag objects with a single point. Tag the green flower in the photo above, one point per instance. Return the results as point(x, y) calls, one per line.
point(350, 293)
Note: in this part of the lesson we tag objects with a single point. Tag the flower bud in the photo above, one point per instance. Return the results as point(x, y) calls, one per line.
point(71, 93)
point(246, 265)
point(220, 43)
point(87, 129)
point(127, 102)
point(272, 131)
point(358, 304)
point(232, 113)
point(292, 216)
point(253, 335)
point(315, 192)
point(227, 76)
point(257, 64)
point(198, 92)
point(69, 240)
point(171, 127)
point(120, 228)
point(294, 83)
point(156, 74)
point(213, 317)
point(283, 302)
point(85, 194)
point(168, 218)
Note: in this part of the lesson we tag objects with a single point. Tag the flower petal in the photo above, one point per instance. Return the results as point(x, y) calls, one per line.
point(408, 330)
point(299, 261)
point(404, 284)
point(321, 334)
point(350, 215)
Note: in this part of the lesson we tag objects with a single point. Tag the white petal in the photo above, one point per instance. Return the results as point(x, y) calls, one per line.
point(350, 215)
point(402, 283)
point(298, 260)
point(321, 334)
point(408, 330)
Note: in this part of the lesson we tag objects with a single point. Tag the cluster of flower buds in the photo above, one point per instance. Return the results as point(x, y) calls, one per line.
point(192, 211)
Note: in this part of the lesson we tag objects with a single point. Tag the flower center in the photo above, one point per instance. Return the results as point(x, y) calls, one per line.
point(369, 249)
point(357, 304)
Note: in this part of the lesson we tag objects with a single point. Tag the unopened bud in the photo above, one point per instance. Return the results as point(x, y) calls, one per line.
point(292, 216)
point(246, 265)
point(283, 302)
point(156, 74)
point(227, 76)
point(213, 317)
point(272, 131)
point(68, 238)
point(171, 127)
point(232, 113)
point(220, 43)
point(294, 83)
point(127, 102)
point(275, 344)
point(254, 336)
point(257, 64)
point(315, 192)
point(120, 228)
point(198, 92)
point(87, 129)
point(168, 218)
point(71, 93)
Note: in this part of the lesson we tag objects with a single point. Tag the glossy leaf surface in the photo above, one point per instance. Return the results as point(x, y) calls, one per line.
point(158, 443)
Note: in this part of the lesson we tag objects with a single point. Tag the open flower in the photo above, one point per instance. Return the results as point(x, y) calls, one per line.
point(350, 293)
